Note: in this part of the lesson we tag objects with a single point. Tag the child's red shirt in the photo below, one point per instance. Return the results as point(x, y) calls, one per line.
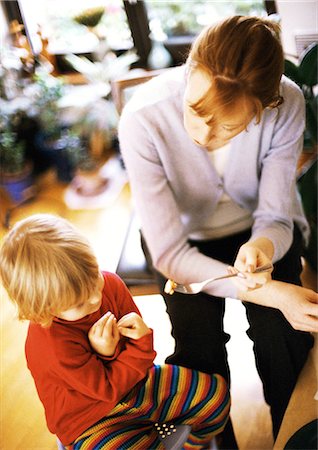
point(77, 386)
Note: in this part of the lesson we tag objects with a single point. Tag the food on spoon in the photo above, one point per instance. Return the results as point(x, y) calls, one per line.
point(170, 287)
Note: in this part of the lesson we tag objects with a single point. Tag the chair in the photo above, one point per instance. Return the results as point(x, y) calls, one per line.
point(121, 87)
point(132, 266)
point(305, 438)
point(173, 436)
point(60, 446)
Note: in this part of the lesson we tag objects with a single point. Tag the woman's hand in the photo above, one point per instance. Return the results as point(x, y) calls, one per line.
point(104, 335)
point(298, 304)
point(132, 326)
point(250, 257)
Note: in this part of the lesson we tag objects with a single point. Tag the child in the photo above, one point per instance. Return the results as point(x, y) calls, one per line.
point(91, 354)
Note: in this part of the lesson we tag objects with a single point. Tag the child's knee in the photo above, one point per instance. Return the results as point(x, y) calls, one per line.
point(219, 394)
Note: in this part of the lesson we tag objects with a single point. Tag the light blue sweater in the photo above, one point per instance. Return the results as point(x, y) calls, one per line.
point(175, 186)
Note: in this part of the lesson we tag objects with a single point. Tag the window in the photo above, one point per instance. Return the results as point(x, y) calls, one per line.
point(58, 21)
point(125, 23)
point(181, 17)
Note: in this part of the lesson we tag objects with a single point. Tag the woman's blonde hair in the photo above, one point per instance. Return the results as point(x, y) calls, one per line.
point(46, 266)
point(245, 58)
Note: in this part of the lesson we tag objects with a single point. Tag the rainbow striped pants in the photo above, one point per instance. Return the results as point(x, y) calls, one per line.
point(170, 394)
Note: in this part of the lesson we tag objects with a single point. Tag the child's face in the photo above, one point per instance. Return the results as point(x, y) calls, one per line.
point(91, 305)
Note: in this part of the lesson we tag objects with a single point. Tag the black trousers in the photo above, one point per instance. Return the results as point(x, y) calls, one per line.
point(197, 327)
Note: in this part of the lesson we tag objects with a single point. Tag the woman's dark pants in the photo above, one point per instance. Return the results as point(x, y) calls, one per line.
point(197, 326)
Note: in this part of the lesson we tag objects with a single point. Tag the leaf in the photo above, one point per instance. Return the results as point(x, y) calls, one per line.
point(83, 65)
point(312, 119)
point(90, 17)
point(308, 69)
point(104, 71)
point(292, 72)
point(120, 65)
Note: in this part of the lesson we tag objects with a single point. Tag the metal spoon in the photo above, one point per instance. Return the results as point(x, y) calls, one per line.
point(193, 288)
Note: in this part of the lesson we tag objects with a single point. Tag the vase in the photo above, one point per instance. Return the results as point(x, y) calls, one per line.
point(159, 57)
point(55, 154)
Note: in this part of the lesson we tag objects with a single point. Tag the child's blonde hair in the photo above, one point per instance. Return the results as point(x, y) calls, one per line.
point(47, 267)
point(244, 57)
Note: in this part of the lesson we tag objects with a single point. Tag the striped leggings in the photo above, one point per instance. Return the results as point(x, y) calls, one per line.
point(170, 394)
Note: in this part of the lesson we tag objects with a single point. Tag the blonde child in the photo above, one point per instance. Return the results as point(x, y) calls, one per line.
point(90, 352)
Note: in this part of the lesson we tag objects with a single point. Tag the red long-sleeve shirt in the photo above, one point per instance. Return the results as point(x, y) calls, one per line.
point(77, 386)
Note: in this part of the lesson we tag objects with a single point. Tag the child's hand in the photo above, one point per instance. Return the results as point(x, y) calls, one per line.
point(104, 335)
point(132, 326)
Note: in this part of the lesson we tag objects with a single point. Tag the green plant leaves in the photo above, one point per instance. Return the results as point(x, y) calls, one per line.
point(292, 72)
point(309, 65)
point(305, 75)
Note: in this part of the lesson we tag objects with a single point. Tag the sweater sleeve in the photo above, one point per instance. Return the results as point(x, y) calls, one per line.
point(84, 371)
point(165, 233)
point(277, 189)
point(123, 304)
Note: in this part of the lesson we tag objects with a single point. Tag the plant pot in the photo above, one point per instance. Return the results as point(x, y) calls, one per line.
point(18, 185)
point(90, 183)
point(56, 155)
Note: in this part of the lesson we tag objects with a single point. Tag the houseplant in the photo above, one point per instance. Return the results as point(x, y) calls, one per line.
point(98, 120)
point(16, 169)
point(61, 145)
point(90, 17)
point(305, 75)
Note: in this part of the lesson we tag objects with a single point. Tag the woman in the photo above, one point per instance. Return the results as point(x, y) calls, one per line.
point(211, 150)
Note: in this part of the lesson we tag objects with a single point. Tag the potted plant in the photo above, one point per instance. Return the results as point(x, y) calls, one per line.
point(305, 75)
point(60, 145)
point(16, 169)
point(90, 17)
point(98, 121)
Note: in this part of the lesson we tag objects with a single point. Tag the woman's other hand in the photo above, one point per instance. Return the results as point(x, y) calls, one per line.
point(104, 335)
point(298, 304)
point(132, 326)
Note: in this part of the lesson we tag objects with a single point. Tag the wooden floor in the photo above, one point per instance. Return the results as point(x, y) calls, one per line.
point(22, 416)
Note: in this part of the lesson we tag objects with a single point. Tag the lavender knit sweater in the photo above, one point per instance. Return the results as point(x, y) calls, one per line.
point(176, 188)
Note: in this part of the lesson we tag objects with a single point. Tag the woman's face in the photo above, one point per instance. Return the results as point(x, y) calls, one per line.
point(225, 127)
